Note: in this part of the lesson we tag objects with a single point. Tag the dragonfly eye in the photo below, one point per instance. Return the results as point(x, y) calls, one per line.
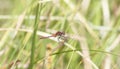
point(61, 33)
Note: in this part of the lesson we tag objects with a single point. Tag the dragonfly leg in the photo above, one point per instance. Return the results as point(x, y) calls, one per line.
point(59, 38)
point(62, 38)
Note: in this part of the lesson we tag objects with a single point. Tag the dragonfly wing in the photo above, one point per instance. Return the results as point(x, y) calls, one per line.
point(45, 37)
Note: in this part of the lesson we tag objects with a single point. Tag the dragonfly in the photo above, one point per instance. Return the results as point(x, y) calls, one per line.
point(58, 34)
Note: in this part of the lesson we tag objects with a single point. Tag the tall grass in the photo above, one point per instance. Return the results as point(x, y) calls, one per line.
point(34, 36)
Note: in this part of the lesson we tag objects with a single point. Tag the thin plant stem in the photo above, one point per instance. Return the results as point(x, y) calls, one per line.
point(34, 37)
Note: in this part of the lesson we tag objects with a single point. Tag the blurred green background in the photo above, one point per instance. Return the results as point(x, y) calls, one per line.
point(92, 30)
